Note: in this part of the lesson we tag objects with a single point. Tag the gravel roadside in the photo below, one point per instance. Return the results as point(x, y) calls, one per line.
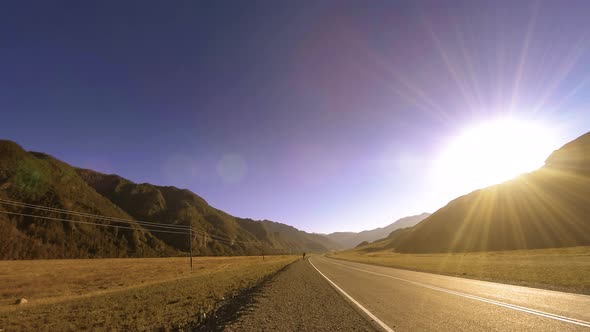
point(298, 299)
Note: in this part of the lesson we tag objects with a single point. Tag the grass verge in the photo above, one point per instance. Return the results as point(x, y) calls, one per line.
point(123, 294)
point(563, 269)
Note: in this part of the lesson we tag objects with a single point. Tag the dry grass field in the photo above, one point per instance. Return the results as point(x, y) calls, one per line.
point(564, 269)
point(123, 294)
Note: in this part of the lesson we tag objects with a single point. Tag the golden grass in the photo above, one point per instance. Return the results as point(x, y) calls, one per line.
point(564, 269)
point(123, 294)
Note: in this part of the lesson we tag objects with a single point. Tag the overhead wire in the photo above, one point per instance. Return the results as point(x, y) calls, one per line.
point(173, 229)
point(88, 222)
point(221, 238)
point(83, 214)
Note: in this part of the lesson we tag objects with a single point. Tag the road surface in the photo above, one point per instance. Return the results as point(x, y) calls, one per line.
point(402, 300)
point(297, 299)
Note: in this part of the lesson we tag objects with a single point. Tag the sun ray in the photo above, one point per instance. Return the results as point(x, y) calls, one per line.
point(410, 92)
point(470, 68)
point(522, 59)
point(466, 221)
point(450, 66)
point(561, 74)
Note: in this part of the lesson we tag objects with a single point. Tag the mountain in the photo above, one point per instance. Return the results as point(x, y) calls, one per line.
point(349, 240)
point(39, 179)
point(180, 206)
point(547, 208)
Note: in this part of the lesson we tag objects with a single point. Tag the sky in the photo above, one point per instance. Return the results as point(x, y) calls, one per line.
point(325, 115)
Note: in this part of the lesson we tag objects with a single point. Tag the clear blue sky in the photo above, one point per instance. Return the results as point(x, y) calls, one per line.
point(325, 115)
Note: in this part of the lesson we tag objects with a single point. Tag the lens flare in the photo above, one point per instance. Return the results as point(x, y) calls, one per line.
point(232, 168)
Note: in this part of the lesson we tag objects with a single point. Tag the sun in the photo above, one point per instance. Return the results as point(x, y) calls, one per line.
point(493, 152)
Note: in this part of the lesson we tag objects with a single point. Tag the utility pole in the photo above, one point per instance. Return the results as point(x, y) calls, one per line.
point(190, 244)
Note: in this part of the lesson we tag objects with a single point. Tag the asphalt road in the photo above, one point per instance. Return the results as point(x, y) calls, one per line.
point(404, 300)
point(297, 299)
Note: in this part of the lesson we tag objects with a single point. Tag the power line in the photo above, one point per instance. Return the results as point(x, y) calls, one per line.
point(232, 242)
point(95, 216)
point(221, 238)
point(87, 222)
point(146, 224)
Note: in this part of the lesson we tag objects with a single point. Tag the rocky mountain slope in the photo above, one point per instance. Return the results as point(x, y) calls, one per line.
point(39, 179)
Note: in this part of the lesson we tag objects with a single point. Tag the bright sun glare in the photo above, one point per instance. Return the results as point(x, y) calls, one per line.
point(493, 152)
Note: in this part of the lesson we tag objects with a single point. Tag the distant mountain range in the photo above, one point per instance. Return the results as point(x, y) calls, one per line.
point(39, 179)
point(547, 208)
point(349, 240)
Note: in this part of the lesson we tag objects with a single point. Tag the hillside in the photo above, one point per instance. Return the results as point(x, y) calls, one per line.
point(548, 208)
point(351, 239)
point(37, 178)
point(40, 179)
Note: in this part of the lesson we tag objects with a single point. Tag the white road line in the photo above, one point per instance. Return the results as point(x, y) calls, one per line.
point(373, 317)
point(478, 298)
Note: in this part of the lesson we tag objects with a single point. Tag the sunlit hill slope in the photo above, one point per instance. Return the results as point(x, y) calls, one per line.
point(547, 208)
point(40, 179)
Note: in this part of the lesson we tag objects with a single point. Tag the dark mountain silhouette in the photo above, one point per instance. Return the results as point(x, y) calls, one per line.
point(547, 208)
point(351, 239)
point(37, 178)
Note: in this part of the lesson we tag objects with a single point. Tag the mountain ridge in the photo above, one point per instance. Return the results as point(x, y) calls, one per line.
point(40, 179)
point(352, 239)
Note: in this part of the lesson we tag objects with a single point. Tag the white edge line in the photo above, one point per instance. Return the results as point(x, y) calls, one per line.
point(478, 298)
point(373, 317)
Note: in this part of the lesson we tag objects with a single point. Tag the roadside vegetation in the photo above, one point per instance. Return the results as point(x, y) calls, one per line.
point(124, 294)
point(563, 269)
